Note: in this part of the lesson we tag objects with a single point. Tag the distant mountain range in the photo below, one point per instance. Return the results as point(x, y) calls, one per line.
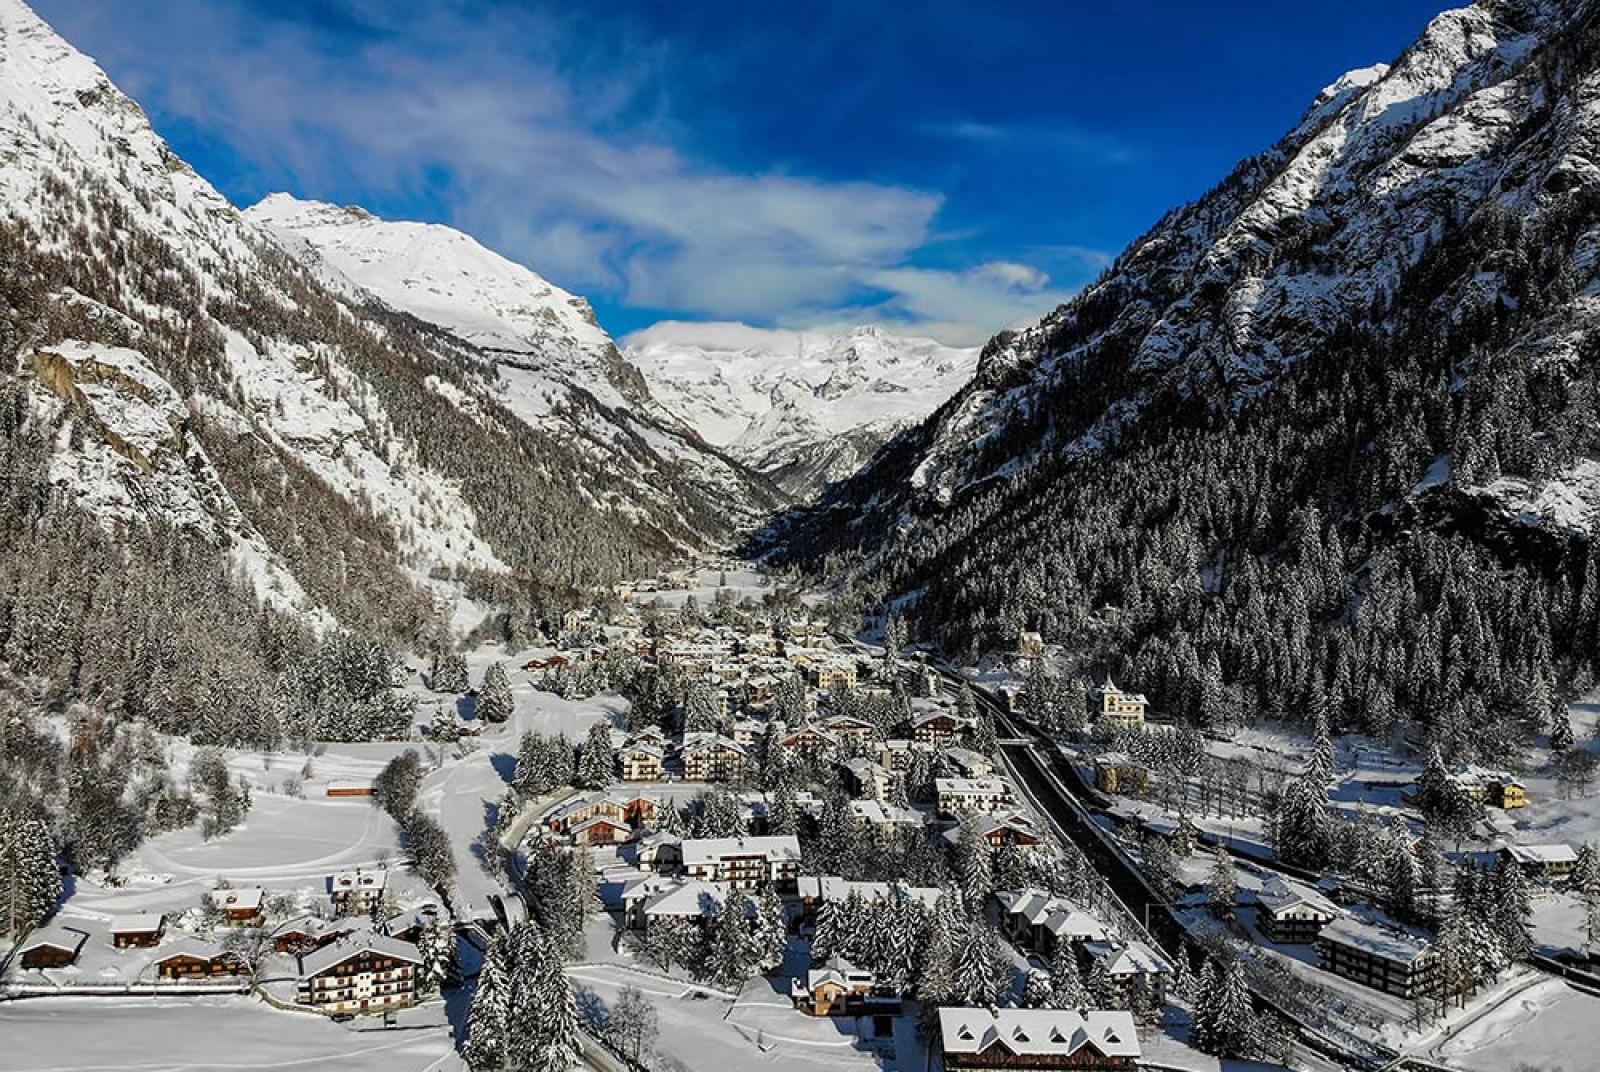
point(804, 408)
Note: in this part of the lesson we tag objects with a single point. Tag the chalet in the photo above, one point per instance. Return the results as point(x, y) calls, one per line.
point(641, 761)
point(882, 815)
point(746, 863)
point(991, 1040)
point(869, 779)
point(957, 796)
point(191, 958)
point(350, 789)
point(896, 752)
point(142, 930)
point(849, 729)
point(358, 891)
point(1291, 913)
point(1040, 921)
point(239, 908)
point(660, 850)
point(1384, 959)
point(600, 830)
point(1013, 829)
point(971, 764)
point(687, 900)
point(1542, 861)
point(409, 925)
point(1494, 788)
point(1118, 708)
point(1126, 962)
point(838, 988)
point(711, 757)
point(940, 729)
point(52, 947)
point(368, 973)
point(811, 740)
point(748, 732)
point(621, 812)
point(303, 933)
point(816, 890)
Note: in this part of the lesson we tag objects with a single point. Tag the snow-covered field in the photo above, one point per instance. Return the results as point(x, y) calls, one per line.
point(1547, 1027)
point(205, 1035)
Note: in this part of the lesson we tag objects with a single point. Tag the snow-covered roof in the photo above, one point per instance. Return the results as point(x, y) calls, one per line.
point(709, 850)
point(55, 937)
point(1282, 894)
point(1128, 958)
point(880, 813)
point(247, 899)
point(1559, 853)
point(691, 897)
point(320, 960)
point(306, 924)
point(1056, 914)
point(1038, 1032)
point(705, 741)
point(840, 972)
point(1383, 942)
point(358, 879)
point(139, 923)
point(987, 787)
point(189, 946)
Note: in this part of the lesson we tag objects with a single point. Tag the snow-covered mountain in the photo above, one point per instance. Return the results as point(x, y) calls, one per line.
point(1338, 408)
point(806, 408)
point(304, 378)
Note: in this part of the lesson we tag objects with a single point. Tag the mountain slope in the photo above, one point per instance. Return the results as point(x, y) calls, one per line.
point(806, 408)
point(269, 441)
point(1324, 437)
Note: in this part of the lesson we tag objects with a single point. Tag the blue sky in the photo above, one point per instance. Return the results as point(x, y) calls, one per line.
point(947, 167)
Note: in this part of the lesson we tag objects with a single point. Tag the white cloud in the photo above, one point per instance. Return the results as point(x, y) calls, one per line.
point(560, 159)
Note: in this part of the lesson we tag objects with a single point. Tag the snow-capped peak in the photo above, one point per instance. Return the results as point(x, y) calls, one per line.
point(803, 407)
point(443, 276)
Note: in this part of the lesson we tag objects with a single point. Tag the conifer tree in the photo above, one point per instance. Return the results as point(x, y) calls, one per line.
point(495, 702)
point(1066, 979)
point(1223, 887)
point(1102, 988)
point(449, 674)
point(771, 934)
point(1222, 1014)
point(30, 880)
point(1037, 993)
point(598, 763)
point(488, 1017)
point(730, 954)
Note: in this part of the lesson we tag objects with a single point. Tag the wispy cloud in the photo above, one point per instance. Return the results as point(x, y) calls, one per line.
point(561, 158)
point(1060, 136)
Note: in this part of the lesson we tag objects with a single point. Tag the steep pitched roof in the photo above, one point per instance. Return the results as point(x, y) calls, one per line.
point(1038, 1032)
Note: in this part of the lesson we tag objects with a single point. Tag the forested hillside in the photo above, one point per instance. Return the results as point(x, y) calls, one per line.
point(220, 466)
point(1324, 439)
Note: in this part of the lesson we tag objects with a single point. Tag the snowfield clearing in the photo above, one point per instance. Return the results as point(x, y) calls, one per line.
point(210, 1034)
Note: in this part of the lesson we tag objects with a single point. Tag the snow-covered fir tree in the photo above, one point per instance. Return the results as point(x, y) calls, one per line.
point(449, 674)
point(598, 762)
point(488, 1018)
point(495, 701)
point(30, 878)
